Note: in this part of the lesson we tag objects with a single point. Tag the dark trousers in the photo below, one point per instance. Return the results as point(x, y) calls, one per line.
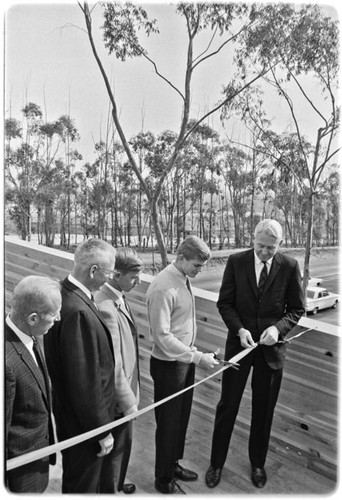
point(172, 418)
point(265, 389)
point(84, 472)
point(29, 478)
point(122, 452)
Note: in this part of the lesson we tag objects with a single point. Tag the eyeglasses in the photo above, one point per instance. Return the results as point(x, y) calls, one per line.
point(108, 272)
point(49, 316)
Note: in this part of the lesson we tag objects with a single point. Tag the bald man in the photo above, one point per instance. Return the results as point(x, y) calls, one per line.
point(35, 306)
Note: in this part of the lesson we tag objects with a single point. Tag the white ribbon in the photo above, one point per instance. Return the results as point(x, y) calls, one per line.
point(13, 463)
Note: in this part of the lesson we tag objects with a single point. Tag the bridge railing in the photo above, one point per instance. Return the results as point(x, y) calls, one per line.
point(306, 417)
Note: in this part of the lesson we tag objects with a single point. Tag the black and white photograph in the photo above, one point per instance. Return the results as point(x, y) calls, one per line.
point(171, 223)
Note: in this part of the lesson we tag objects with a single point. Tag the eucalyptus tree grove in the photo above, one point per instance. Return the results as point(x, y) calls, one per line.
point(276, 42)
point(300, 45)
point(162, 183)
point(38, 159)
point(122, 24)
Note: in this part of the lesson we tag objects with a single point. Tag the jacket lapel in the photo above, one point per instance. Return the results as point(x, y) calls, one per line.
point(273, 271)
point(27, 358)
point(118, 303)
point(70, 286)
point(73, 288)
point(250, 268)
point(251, 271)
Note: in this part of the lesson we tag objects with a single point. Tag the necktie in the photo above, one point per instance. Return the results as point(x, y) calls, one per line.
point(127, 306)
point(93, 300)
point(263, 278)
point(188, 285)
point(136, 375)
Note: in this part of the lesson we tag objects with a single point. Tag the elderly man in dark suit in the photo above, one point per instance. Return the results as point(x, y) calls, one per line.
point(260, 301)
point(80, 360)
point(111, 301)
point(36, 304)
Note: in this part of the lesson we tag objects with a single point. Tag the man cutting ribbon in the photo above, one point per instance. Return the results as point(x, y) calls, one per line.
point(260, 301)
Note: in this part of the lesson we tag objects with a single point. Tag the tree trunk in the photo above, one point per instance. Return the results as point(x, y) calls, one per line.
point(308, 245)
point(158, 232)
point(29, 222)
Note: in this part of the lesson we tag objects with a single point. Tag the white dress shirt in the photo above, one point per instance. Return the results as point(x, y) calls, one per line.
point(120, 296)
point(79, 285)
point(259, 264)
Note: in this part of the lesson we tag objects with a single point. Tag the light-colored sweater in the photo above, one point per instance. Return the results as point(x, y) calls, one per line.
point(171, 313)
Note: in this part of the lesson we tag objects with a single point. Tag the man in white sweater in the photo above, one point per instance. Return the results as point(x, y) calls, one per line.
point(171, 312)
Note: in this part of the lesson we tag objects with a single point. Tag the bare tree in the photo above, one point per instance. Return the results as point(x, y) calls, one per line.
point(122, 23)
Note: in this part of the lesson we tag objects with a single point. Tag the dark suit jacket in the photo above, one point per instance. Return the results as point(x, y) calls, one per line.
point(28, 416)
point(282, 303)
point(80, 360)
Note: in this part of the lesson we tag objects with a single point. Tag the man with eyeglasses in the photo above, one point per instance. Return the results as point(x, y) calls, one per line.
point(35, 305)
point(80, 360)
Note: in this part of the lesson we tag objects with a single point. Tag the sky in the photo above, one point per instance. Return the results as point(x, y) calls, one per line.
point(48, 61)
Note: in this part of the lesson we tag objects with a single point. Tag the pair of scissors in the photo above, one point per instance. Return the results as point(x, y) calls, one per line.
point(223, 362)
point(287, 341)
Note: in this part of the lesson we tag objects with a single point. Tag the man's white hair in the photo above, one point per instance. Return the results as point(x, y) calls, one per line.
point(35, 294)
point(93, 251)
point(270, 227)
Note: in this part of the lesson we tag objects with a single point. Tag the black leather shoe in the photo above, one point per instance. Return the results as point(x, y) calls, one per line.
point(184, 474)
point(259, 476)
point(128, 488)
point(213, 476)
point(170, 487)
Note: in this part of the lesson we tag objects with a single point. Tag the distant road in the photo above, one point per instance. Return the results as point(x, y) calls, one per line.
point(323, 264)
point(326, 268)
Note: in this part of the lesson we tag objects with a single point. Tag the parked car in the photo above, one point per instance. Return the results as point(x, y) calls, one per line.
point(314, 281)
point(318, 298)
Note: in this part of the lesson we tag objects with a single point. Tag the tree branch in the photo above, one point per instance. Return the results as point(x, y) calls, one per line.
point(306, 96)
point(163, 77)
point(244, 28)
point(124, 141)
point(288, 100)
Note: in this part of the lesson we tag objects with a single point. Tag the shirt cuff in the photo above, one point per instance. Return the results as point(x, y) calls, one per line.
point(197, 356)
